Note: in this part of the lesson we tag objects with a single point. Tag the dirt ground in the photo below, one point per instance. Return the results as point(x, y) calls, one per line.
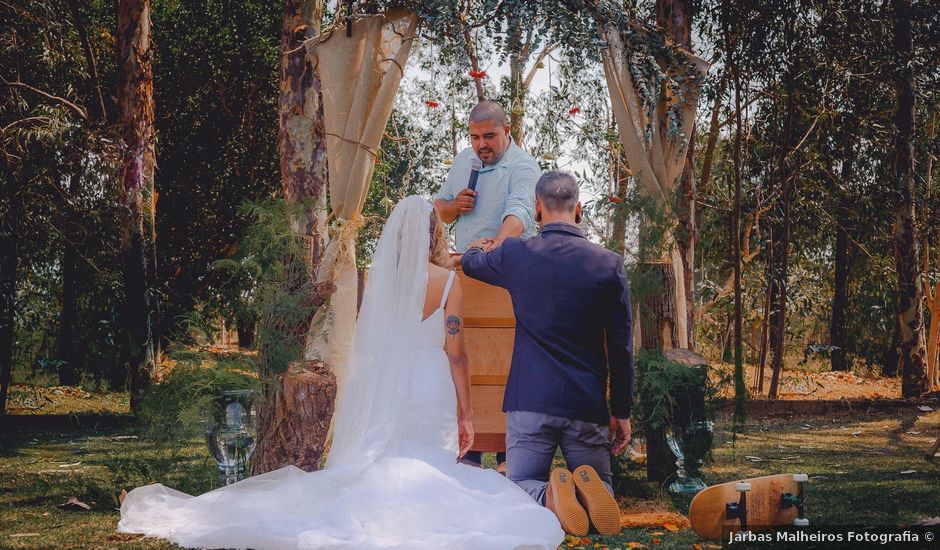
point(815, 382)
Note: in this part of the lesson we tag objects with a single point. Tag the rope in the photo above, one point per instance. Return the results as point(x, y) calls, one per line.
point(356, 143)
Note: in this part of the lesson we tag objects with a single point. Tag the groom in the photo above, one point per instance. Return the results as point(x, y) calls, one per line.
point(573, 332)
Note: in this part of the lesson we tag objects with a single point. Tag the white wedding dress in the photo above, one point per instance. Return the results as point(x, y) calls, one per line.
point(391, 480)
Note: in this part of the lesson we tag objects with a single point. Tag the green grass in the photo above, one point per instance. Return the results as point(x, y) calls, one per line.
point(856, 479)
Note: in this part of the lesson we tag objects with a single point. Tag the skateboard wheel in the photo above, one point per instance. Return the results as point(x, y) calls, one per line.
point(800, 478)
point(801, 522)
point(742, 486)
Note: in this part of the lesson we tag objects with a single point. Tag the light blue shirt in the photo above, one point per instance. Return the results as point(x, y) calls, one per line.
point(503, 189)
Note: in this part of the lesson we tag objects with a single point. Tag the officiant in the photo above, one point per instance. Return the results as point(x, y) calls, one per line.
point(490, 189)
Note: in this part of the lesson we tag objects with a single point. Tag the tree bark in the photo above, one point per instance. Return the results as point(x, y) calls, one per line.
point(906, 246)
point(660, 317)
point(301, 141)
point(297, 403)
point(138, 195)
point(844, 258)
point(9, 254)
point(675, 17)
point(296, 421)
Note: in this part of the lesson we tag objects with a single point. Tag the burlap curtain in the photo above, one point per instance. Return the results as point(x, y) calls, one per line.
point(656, 162)
point(359, 77)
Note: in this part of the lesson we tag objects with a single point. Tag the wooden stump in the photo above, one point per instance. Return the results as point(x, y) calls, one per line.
point(295, 419)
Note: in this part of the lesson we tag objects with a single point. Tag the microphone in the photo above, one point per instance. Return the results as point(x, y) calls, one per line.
point(475, 168)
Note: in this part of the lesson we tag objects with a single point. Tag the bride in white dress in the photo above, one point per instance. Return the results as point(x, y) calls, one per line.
point(391, 479)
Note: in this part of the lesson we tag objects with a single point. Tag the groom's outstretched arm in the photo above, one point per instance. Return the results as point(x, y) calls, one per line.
point(619, 332)
point(485, 266)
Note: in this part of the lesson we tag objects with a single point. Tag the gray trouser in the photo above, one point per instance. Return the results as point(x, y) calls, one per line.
point(531, 440)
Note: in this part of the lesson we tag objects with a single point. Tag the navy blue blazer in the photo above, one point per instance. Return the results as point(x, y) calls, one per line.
point(570, 297)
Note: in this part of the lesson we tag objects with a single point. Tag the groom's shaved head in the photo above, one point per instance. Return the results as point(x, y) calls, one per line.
point(488, 111)
point(558, 191)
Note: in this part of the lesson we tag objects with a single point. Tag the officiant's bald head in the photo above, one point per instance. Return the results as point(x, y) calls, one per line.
point(489, 131)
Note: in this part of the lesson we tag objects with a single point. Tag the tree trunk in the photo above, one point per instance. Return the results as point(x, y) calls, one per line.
point(660, 317)
point(246, 332)
point(781, 249)
point(69, 368)
point(618, 238)
point(844, 258)
point(294, 422)
point(516, 90)
point(301, 141)
point(471, 50)
point(740, 391)
point(138, 195)
point(299, 400)
point(906, 246)
point(675, 17)
point(10, 236)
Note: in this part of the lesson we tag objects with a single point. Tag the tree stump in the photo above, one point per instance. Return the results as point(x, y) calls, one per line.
point(295, 419)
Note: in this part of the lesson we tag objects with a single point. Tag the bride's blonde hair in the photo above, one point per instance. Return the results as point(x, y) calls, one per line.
point(439, 251)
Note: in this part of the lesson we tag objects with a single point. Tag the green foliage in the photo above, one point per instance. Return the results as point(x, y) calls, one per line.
point(216, 91)
point(662, 388)
point(270, 277)
point(178, 407)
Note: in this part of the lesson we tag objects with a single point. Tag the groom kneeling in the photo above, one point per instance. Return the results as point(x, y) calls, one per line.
point(573, 330)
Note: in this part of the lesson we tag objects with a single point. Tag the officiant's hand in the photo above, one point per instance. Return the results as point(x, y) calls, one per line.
point(464, 435)
point(464, 201)
point(620, 433)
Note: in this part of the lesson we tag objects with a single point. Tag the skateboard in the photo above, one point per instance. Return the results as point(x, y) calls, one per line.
point(756, 503)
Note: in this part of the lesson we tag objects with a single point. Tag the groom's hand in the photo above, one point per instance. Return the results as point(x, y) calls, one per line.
point(486, 243)
point(620, 433)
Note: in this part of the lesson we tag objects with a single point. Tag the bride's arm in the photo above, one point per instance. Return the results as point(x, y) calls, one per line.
point(459, 365)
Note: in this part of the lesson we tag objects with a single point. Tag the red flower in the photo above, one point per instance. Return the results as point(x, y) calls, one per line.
point(432, 104)
point(574, 110)
point(614, 198)
point(478, 74)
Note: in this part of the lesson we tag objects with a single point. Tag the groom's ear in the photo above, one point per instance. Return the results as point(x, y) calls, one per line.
point(577, 213)
point(538, 211)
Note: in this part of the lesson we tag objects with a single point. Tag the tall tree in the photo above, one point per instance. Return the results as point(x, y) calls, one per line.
point(910, 290)
point(9, 234)
point(675, 18)
point(138, 195)
point(297, 401)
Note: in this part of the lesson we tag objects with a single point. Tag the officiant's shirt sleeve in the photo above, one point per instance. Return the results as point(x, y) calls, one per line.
point(521, 200)
point(450, 188)
point(485, 266)
point(620, 346)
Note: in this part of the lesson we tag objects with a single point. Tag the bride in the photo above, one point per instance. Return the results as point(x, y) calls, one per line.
point(391, 479)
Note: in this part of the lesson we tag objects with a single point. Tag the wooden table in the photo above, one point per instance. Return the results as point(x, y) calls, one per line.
point(489, 329)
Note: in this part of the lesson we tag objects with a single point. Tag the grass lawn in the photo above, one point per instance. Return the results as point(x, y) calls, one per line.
point(855, 461)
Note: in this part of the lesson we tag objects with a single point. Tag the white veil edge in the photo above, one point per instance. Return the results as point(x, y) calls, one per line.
point(374, 387)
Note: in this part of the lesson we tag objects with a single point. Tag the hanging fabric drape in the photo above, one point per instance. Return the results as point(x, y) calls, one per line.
point(359, 77)
point(657, 159)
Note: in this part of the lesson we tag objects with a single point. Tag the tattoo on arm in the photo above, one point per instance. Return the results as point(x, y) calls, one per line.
point(453, 325)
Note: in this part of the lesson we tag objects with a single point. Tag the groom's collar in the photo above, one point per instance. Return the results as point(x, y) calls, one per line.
point(562, 227)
